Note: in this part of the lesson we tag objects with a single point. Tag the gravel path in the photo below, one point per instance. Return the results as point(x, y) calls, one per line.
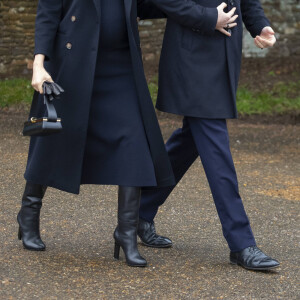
point(77, 230)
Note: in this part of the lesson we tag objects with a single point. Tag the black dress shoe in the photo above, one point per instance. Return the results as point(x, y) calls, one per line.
point(147, 233)
point(252, 258)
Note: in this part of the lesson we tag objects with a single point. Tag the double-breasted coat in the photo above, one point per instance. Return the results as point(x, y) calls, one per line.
point(67, 33)
point(200, 66)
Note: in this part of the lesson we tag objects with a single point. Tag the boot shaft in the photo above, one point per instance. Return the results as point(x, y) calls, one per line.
point(33, 195)
point(29, 217)
point(128, 205)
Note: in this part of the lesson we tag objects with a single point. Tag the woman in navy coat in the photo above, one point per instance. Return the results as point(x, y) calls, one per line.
point(110, 131)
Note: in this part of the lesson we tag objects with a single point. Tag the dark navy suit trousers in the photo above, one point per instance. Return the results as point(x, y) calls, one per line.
point(209, 139)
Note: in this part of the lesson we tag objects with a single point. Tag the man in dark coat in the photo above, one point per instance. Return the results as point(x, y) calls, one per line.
point(198, 79)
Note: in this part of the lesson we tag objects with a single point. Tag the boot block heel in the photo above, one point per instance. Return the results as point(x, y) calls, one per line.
point(20, 234)
point(117, 251)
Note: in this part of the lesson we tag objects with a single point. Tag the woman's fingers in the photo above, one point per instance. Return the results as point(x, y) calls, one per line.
point(35, 87)
point(39, 76)
point(40, 89)
point(38, 85)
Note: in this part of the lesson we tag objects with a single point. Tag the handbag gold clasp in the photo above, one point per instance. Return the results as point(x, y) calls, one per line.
point(36, 120)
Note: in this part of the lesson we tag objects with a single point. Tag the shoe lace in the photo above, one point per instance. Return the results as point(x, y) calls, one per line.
point(254, 250)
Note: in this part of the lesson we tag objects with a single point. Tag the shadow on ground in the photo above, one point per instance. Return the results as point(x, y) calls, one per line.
point(79, 264)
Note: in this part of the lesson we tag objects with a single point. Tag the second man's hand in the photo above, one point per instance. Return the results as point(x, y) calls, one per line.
point(266, 39)
point(225, 20)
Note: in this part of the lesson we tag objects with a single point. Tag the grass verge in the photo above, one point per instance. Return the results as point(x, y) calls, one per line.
point(14, 92)
point(280, 99)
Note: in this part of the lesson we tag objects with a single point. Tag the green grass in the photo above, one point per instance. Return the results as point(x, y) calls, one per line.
point(153, 88)
point(14, 92)
point(283, 98)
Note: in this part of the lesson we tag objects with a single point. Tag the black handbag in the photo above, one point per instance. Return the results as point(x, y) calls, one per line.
point(50, 124)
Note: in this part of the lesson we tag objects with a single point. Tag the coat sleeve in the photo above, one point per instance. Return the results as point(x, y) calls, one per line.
point(47, 21)
point(253, 16)
point(189, 14)
point(147, 10)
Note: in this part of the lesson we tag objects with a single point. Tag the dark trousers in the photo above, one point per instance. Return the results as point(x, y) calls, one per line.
point(209, 139)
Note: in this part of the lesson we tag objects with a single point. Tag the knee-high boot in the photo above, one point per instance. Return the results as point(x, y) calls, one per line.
point(126, 232)
point(29, 217)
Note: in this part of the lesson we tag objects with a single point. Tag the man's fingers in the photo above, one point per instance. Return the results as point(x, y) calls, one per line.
point(224, 31)
point(231, 25)
point(223, 5)
point(257, 42)
point(268, 30)
point(264, 42)
point(257, 45)
point(232, 19)
point(231, 12)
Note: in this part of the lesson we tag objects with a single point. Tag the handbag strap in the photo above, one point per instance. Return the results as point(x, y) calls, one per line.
point(52, 115)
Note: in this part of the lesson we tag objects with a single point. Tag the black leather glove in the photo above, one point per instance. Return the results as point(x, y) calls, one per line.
point(52, 90)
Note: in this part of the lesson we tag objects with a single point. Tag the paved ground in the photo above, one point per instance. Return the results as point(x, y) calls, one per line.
point(78, 263)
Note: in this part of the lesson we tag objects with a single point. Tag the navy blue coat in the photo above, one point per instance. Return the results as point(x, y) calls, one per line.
point(67, 33)
point(199, 66)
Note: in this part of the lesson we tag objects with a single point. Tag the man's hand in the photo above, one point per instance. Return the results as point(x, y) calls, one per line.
point(225, 20)
point(266, 39)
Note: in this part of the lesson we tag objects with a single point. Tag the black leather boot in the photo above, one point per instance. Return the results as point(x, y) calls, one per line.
point(147, 234)
point(126, 232)
point(29, 217)
point(252, 258)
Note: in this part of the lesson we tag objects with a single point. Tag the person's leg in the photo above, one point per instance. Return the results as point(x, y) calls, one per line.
point(182, 153)
point(212, 141)
point(29, 217)
point(126, 232)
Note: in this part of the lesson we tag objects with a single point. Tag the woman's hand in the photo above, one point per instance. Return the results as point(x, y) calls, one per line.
point(225, 20)
point(266, 39)
point(39, 73)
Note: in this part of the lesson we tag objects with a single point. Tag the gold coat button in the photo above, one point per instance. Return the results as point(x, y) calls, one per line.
point(73, 18)
point(69, 46)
